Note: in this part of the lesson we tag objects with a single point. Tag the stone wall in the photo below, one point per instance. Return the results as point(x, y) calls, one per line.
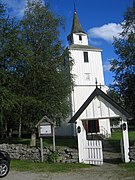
point(132, 153)
point(24, 152)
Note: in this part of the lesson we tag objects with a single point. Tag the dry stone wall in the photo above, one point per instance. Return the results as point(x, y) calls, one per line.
point(132, 153)
point(24, 152)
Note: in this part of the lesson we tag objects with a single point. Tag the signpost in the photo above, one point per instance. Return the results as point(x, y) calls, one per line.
point(46, 128)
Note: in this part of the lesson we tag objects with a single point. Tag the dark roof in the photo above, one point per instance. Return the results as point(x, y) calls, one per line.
point(76, 26)
point(45, 119)
point(97, 92)
point(76, 46)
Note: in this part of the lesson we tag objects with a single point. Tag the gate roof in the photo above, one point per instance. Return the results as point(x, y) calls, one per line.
point(96, 93)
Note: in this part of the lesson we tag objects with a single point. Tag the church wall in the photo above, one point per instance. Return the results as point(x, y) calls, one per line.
point(86, 73)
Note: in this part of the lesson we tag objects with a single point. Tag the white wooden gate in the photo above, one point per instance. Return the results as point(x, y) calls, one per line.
point(92, 152)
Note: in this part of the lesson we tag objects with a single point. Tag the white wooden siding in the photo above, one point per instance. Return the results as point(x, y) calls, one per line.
point(94, 67)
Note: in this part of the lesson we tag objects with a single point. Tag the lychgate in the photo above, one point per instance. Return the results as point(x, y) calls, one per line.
point(98, 107)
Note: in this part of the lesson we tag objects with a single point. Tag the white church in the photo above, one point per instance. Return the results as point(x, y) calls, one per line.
point(91, 108)
point(87, 71)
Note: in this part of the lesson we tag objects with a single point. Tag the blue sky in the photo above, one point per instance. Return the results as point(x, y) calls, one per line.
point(99, 18)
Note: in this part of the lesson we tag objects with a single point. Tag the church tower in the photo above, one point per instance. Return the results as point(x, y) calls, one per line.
point(87, 70)
point(87, 67)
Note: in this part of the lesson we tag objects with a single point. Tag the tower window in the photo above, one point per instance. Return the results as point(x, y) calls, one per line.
point(87, 76)
point(85, 56)
point(80, 37)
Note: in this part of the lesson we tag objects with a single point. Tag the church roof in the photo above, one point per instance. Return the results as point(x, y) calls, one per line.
point(99, 92)
point(76, 26)
point(85, 47)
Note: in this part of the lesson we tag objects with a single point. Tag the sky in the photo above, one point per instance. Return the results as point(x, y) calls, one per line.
point(100, 19)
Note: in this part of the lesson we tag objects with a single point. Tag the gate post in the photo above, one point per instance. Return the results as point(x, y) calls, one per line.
point(125, 141)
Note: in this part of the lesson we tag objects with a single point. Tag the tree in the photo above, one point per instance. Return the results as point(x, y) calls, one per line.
point(46, 76)
point(8, 55)
point(124, 66)
point(34, 67)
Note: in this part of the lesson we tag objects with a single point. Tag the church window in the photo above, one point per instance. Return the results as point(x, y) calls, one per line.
point(85, 56)
point(80, 37)
point(87, 76)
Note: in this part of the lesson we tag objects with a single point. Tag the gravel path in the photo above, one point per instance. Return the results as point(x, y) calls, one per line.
point(104, 172)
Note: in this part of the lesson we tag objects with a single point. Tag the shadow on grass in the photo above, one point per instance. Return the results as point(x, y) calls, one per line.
point(115, 144)
point(112, 152)
point(47, 141)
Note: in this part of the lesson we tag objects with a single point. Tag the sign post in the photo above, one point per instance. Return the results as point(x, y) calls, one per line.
point(41, 147)
point(45, 129)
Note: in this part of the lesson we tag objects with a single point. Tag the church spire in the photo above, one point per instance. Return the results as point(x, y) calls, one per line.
point(77, 36)
point(76, 26)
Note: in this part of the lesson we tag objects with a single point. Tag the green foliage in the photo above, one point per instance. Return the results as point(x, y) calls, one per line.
point(124, 66)
point(34, 67)
point(52, 157)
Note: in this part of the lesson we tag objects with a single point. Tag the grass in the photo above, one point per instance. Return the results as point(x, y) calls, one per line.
point(130, 169)
point(69, 142)
point(129, 166)
point(38, 167)
point(117, 136)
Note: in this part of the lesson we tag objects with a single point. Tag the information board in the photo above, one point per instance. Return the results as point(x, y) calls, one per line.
point(45, 130)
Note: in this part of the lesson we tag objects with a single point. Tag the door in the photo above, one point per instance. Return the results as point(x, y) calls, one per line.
point(92, 126)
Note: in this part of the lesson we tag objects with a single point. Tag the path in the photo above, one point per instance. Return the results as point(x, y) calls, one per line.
point(104, 172)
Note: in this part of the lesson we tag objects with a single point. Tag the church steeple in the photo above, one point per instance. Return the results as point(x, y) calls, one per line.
point(76, 29)
point(76, 26)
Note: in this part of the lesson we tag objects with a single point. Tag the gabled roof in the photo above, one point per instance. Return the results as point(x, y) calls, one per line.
point(45, 119)
point(76, 26)
point(99, 92)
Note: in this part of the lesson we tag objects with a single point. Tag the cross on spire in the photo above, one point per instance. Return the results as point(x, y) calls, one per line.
point(74, 8)
point(96, 82)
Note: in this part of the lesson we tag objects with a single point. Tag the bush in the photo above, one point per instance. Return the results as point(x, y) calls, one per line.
point(52, 157)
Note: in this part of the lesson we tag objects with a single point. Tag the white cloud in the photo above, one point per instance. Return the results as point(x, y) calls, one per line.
point(15, 7)
point(107, 65)
point(105, 32)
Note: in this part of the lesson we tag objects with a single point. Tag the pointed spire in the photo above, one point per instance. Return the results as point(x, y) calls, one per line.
point(76, 26)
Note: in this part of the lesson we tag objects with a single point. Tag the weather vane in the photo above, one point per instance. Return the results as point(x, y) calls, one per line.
point(74, 7)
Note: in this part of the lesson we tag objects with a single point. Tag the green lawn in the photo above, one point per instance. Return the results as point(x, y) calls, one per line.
point(117, 136)
point(37, 167)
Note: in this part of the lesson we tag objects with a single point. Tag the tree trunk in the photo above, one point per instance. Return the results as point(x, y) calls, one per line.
point(10, 133)
point(20, 128)
point(6, 134)
point(20, 123)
